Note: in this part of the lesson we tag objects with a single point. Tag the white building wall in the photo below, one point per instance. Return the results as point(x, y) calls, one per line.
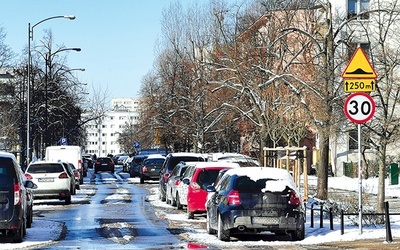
point(102, 135)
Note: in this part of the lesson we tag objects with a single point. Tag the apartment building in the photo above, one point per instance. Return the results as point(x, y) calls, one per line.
point(102, 135)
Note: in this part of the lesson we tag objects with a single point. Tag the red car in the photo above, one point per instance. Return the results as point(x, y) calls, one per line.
point(205, 174)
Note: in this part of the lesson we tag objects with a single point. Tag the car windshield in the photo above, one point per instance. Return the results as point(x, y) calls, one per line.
point(45, 168)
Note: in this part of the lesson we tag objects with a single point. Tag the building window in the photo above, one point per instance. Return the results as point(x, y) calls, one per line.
point(356, 7)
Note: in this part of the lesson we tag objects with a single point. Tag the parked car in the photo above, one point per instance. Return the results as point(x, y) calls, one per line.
point(88, 161)
point(52, 179)
point(127, 164)
point(15, 198)
point(182, 188)
point(170, 162)
point(76, 174)
point(255, 199)
point(204, 174)
point(121, 159)
point(151, 166)
point(173, 182)
point(104, 164)
point(136, 162)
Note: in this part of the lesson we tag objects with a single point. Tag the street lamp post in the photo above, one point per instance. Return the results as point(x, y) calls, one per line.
point(30, 37)
point(48, 64)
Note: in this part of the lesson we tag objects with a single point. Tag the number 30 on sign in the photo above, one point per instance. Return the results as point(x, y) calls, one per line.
point(359, 107)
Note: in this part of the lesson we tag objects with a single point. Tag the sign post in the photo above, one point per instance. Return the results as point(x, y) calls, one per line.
point(359, 107)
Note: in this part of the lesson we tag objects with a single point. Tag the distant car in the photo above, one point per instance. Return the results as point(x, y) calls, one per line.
point(170, 162)
point(77, 175)
point(150, 168)
point(52, 179)
point(104, 164)
point(204, 174)
point(136, 163)
point(15, 198)
point(127, 164)
point(173, 182)
point(121, 160)
point(255, 199)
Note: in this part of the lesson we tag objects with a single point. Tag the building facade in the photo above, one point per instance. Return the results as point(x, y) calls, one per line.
point(103, 134)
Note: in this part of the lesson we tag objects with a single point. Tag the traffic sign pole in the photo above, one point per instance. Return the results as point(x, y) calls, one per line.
point(359, 77)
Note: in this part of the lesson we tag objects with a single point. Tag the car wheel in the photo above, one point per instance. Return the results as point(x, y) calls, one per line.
point(190, 215)
point(173, 201)
point(141, 179)
point(178, 202)
point(68, 200)
point(299, 234)
point(223, 235)
point(18, 234)
point(29, 219)
point(209, 229)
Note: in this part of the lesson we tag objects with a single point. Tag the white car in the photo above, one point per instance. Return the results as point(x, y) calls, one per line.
point(53, 180)
point(182, 188)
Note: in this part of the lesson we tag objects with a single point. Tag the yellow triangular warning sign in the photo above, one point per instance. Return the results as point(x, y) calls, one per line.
point(359, 67)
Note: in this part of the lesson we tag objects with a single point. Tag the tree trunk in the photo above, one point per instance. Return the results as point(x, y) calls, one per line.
point(322, 170)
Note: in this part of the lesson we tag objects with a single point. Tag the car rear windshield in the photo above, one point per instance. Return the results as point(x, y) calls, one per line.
point(45, 168)
point(104, 160)
point(7, 172)
point(153, 161)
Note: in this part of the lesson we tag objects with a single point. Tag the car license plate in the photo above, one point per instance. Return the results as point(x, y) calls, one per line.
point(153, 169)
point(46, 179)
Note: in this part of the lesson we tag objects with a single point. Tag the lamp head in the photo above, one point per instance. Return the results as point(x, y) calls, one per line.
point(70, 17)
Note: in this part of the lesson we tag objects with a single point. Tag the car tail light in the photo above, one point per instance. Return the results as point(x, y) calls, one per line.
point(28, 176)
point(76, 174)
point(177, 182)
point(144, 169)
point(233, 197)
point(98, 163)
point(17, 194)
point(63, 176)
point(294, 198)
point(194, 186)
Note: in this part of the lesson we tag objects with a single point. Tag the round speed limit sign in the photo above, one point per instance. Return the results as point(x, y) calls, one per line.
point(359, 107)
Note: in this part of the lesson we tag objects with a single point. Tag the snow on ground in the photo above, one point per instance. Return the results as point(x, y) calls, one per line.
point(44, 232)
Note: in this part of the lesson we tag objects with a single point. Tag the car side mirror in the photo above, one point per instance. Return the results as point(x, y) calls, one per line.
point(30, 184)
point(210, 188)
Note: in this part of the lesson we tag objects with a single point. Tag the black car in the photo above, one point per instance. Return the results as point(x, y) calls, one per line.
point(16, 200)
point(104, 164)
point(134, 170)
point(170, 162)
point(150, 169)
point(255, 199)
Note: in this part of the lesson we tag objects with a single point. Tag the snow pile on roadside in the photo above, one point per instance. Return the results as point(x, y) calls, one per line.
point(42, 233)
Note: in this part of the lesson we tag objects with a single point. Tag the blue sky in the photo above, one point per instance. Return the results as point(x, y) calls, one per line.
point(117, 37)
